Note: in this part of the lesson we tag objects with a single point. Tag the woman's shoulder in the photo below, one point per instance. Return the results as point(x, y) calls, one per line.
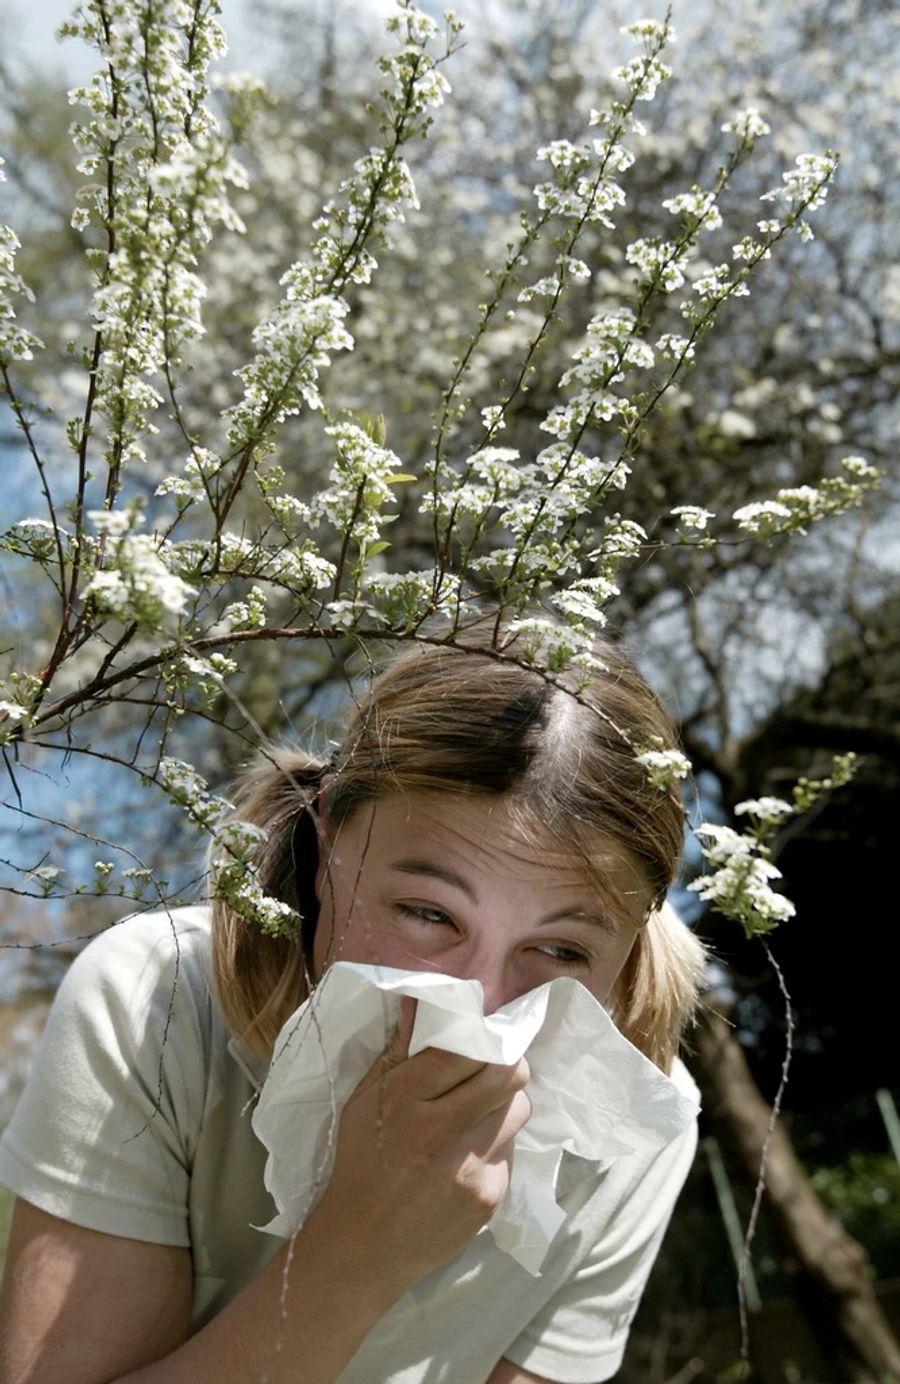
point(144, 944)
point(108, 1125)
point(150, 964)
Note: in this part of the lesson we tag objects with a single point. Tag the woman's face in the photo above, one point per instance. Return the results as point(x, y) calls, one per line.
point(427, 882)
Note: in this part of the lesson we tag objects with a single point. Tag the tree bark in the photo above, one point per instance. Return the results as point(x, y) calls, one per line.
point(833, 1286)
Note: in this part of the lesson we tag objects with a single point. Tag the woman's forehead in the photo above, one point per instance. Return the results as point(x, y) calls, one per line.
point(483, 832)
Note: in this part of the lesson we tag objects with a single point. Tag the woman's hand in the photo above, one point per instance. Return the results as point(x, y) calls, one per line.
point(424, 1153)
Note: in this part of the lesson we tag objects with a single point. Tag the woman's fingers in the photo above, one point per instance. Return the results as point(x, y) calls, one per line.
point(397, 1050)
point(493, 1138)
point(474, 1088)
point(432, 1073)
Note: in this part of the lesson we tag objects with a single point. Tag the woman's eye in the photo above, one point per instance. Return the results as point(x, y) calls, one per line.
point(423, 913)
point(566, 956)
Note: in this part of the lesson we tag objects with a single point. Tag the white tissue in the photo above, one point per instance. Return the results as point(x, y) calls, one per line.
point(593, 1093)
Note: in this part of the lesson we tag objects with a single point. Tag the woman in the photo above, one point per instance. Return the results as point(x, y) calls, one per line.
point(477, 819)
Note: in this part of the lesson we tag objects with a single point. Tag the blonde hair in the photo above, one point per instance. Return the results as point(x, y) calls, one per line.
point(465, 721)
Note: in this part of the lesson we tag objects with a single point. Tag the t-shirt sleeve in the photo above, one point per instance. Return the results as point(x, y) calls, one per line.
point(579, 1336)
point(105, 1131)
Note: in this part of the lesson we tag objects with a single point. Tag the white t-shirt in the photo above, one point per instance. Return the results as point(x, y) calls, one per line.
point(136, 1122)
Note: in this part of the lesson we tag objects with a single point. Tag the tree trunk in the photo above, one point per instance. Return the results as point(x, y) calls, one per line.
point(834, 1289)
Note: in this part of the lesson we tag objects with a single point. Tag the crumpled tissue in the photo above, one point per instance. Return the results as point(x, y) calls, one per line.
point(593, 1093)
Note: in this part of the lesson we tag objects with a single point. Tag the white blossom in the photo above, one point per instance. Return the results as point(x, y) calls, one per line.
point(14, 711)
point(717, 284)
point(767, 809)
point(650, 29)
point(240, 839)
point(698, 205)
point(249, 614)
point(359, 484)
point(136, 584)
point(643, 76)
point(675, 347)
point(659, 260)
point(548, 644)
point(15, 342)
point(761, 517)
point(665, 768)
point(747, 124)
point(304, 330)
point(48, 872)
point(159, 170)
point(492, 417)
point(692, 517)
point(404, 599)
point(236, 883)
point(188, 789)
point(36, 538)
point(740, 884)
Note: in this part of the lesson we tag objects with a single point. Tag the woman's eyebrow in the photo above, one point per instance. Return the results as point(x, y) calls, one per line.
point(420, 865)
point(582, 915)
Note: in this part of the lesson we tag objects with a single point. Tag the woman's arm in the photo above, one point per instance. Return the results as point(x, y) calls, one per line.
point(422, 1161)
point(81, 1307)
point(75, 1302)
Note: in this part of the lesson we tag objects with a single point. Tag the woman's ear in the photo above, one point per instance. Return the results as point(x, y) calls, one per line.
point(320, 804)
point(318, 810)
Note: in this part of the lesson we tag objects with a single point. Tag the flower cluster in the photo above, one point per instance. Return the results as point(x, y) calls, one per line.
point(187, 789)
point(135, 583)
point(582, 602)
point(805, 187)
point(359, 485)
point(692, 518)
point(159, 171)
point(307, 326)
point(795, 507)
point(46, 877)
point(248, 614)
point(548, 644)
point(204, 675)
point(697, 207)
point(665, 768)
point(643, 75)
point(15, 342)
point(13, 715)
point(769, 811)
point(747, 124)
point(293, 345)
point(660, 261)
point(236, 884)
point(34, 538)
point(234, 872)
point(740, 885)
point(195, 481)
point(402, 600)
point(582, 190)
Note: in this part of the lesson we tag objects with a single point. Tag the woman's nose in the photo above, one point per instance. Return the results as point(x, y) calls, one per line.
point(497, 982)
